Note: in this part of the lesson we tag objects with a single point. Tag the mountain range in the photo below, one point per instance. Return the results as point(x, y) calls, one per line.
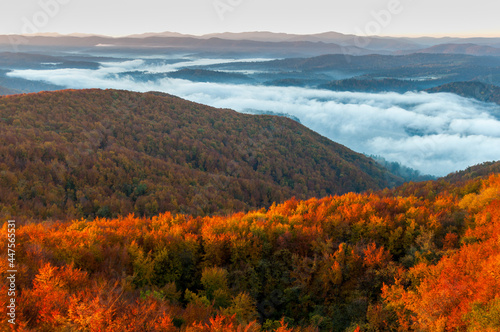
point(278, 44)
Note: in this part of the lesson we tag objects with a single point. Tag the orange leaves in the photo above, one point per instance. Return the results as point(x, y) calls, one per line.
point(490, 192)
point(301, 259)
point(375, 258)
point(445, 295)
point(222, 323)
point(335, 274)
point(50, 297)
point(96, 308)
point(450, 241)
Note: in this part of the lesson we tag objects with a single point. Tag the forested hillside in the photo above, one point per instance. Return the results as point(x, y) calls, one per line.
point(422, 257)
point(481, 170)
point(93, 153)
point(477, 90)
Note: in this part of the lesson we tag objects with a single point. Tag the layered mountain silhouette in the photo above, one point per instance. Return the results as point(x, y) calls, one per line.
point(262, 41)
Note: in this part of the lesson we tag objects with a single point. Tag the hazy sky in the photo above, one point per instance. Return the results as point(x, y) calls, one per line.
point(367, 17)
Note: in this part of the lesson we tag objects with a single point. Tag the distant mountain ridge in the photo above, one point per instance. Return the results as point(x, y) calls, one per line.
point(259, 41)
point(180, 44)
point(469, 49)
point(371, 42)
point(477, 90)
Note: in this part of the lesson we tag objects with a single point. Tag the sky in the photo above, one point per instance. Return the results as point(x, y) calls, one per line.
point(362, 17)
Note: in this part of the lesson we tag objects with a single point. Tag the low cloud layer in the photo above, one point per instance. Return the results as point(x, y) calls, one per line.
point(433, 133)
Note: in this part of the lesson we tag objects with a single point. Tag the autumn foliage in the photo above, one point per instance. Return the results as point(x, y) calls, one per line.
point(91, 153)
point(423, 257)
point(125, 206)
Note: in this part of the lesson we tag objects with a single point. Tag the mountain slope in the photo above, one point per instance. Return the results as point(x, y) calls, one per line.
point(86, 153)
point(477, 90)
point(477, 171)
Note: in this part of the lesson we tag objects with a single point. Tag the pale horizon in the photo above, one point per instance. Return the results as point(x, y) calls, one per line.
point(383, 18)
point(437, 36)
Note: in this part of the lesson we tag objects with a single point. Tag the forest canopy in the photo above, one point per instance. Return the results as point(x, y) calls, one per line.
point(92, 153)
point(422, 257)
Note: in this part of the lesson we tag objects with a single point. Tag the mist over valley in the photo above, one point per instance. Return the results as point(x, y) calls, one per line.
point(385, 105)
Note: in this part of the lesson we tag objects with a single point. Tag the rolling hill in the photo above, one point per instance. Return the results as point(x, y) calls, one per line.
point(478, 171)
point(477, 90)
point(432, 69)
point(87, 153)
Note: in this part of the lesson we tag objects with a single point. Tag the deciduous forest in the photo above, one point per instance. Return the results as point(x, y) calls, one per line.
point(422, 257)
point(93, 153)
point(133, 217)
